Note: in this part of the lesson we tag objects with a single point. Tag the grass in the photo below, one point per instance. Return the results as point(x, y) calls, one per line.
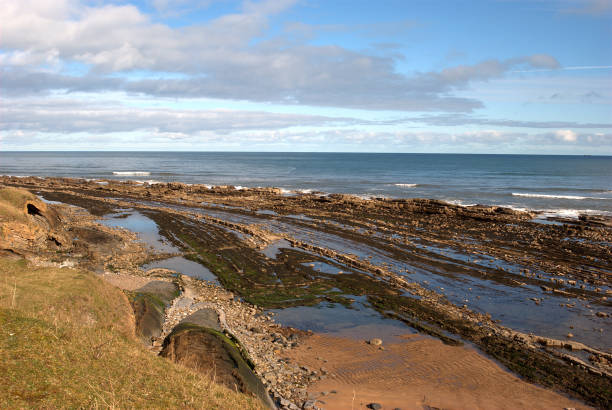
point(12, 204)
point(67, 340)
point(16, 197)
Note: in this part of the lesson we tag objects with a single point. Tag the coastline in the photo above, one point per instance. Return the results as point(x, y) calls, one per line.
point(251, 220)
point(539, 213)
point(558, 185)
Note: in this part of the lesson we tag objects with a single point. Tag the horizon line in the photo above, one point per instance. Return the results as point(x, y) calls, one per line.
point(303, 152)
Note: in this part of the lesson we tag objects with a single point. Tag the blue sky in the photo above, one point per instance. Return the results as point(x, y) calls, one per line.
point(496, 76)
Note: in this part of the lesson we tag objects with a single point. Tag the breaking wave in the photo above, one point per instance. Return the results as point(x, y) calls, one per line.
point(571, 213)
point(556, 196)
point(132, 173)
point(150, 182)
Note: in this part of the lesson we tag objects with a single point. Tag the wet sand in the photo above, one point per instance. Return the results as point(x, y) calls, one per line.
point(415, 373)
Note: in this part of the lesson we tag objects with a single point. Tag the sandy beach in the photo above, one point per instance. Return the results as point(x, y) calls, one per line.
point(414, 374)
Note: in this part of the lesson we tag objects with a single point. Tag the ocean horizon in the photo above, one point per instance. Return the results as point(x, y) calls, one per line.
point(558, 185)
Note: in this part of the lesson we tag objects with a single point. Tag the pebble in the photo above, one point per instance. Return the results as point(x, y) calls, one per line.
point(374, 406)
point(309, 404)
point(375, 342)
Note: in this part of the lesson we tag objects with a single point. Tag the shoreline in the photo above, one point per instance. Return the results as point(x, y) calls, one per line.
point(561, 214)
point(234, 217)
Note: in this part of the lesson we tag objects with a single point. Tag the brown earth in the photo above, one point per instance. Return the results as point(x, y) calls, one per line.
point(413, 374)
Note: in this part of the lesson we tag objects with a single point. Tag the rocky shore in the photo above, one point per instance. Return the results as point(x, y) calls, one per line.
point(428, 264)
point(264, 343)
point(47, 242)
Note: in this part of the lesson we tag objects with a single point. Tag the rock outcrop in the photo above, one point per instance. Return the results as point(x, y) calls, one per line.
point(149, 304)
point(198, 342)
point(27, 224)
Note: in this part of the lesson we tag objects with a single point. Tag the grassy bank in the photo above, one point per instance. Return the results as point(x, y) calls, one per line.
point(67, 340)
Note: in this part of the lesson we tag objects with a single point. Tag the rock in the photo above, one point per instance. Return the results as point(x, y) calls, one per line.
point(204, 317)
point(148, 315)
point(375, 342)
point(203, 349)
point(309, 404)
point(602, 314)
point(569, 335)
point(162, 290)
point(374, 406)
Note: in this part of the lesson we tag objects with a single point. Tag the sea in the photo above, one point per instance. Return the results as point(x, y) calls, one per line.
point(554, 185)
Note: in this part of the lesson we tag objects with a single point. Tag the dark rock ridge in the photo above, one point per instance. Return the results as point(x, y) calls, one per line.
point(149, 304)
point(198, 343)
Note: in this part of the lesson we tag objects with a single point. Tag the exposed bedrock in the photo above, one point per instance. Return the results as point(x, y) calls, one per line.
point(28, 224)
point(516, 287)
point(149, 304)
point(198, 343)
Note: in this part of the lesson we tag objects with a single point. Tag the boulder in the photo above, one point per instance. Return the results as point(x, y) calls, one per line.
point(149, 304)
point(210, 352)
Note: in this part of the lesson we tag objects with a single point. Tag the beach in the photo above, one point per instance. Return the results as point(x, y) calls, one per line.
point(531, 295)
point(306, 205)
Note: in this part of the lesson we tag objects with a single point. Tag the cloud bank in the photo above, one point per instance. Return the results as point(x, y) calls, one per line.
point(229, 57)
point(94, 72)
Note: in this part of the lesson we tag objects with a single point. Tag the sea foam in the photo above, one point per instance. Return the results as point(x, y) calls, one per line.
point(149, 182)
point(132, 173)
point(571, 213)
point(407, 185)
point(556, 196)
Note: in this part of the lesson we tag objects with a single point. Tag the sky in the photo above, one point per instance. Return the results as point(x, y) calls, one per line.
point(443, 76)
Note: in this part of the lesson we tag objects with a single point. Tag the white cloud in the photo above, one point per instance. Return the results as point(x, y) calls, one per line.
point(464, 119)
point(319, 139)
point(229, 57)
point(76, 116)
point(566, 135)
